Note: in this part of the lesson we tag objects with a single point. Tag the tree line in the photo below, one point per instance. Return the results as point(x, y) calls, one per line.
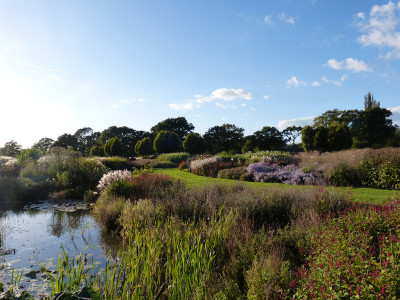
point(338, 130)
point(332, 131)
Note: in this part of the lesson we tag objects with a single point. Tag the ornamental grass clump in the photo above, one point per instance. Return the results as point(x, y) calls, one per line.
point(209, 166)
point(112, 177)
point(290, 174)
point(174, 157)
point(8, 166)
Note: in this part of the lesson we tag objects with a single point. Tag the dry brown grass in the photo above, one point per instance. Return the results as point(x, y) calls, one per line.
point(324, 163)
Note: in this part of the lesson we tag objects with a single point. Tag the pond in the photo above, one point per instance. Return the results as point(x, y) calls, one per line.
point(37, 233)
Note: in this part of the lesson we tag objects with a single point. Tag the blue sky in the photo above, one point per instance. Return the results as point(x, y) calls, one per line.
point(70, 64)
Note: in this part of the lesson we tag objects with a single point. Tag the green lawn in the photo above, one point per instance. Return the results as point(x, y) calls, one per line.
point(359, 194)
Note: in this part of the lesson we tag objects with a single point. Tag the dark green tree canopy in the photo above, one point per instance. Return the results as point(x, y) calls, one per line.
point(269, 138)
point(66, 141)
point(178, 125)
point(370, 102)
point(307, 138)
point(86, 139)
point(373, 128)
point(44, 144)
point(339, 137)
point(11, 148)
point(167, 142)
point(227, 137)
point(113, 147)
point(291, 133)
point(127, 136)
point(144, 147)
point(194, 144)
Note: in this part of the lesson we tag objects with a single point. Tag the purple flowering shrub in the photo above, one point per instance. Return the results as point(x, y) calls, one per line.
point(290, 174)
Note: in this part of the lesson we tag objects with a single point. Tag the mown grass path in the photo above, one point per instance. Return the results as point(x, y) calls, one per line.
point(359, 194)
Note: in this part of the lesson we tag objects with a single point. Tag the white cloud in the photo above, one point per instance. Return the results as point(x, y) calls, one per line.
point(266, 97)
point(286, 19)
point(223, 94)
point(182, 107)
point(243, 104)
point(381, 28)
point(315, 83)
point(335, 82)
point(349, 64)
point(225, 106)
point(231, 94)
point(295, 122)
point(294, 82)
point(224, 118)
point(395, 115)
point(268, 20)
point(361, 15)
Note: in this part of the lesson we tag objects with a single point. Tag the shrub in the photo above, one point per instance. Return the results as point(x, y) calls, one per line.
point(29, 156)
point(80, 176)
point(234, 173)
point(8, 166)
point(97, 150)
point(183, 165)
point(270, 157)
point(356, 253)
point(194, 144)
point(381, 168)
point(289, 174)
point(113, 147)
point(117, 163)
point(108, 211)
point(174, 157)
point(161, 164)
point(344, 175)
point(144, 147)
point(166, 142)
point(208, 166)
point(269, 277)
point(155, 186)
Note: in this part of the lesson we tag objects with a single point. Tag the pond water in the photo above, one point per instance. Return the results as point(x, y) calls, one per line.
point(38, 232)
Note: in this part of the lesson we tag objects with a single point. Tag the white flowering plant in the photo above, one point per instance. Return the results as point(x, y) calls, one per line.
point(111, 177)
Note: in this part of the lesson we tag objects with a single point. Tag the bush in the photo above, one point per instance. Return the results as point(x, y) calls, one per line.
point(144, 147)
point(80, 177)
point(194, 144)
point(356, 253)
point(208, 166)
point(270, 157)
point(155, 186)
point(289, 174)
point(381, 169)
point(183, 165)
point(108, 211)
point(174, 157)
point(161, 164)
point(8, 166)
point(117, 163)
point(113, 147)
point(234, 173)
point(97, 150)
point(29, 156)
point(166, 142)
point(344, 175)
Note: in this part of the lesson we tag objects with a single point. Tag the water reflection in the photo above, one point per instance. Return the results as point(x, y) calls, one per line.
point(39, 233)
